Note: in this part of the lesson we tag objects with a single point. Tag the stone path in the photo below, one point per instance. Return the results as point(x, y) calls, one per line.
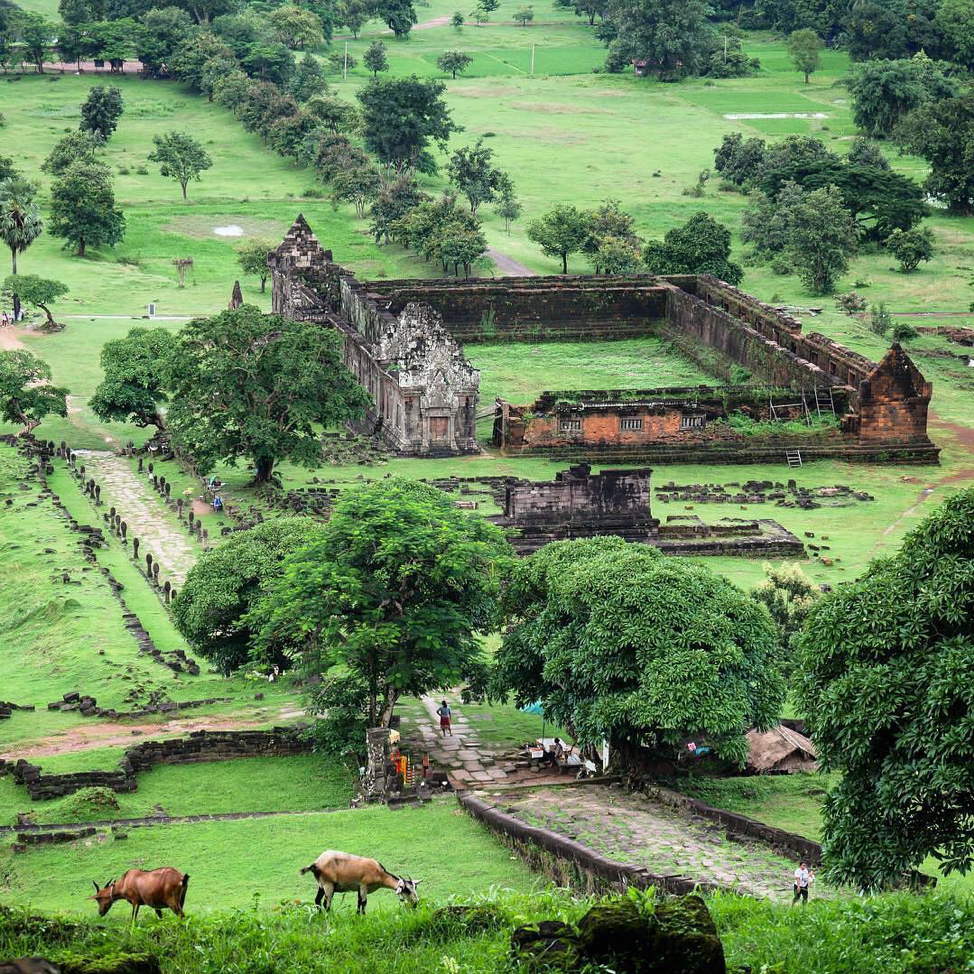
point(142, 509)
point(633, 829)
point(461, 754)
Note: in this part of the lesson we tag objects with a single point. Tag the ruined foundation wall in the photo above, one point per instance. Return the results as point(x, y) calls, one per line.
point(534, 309)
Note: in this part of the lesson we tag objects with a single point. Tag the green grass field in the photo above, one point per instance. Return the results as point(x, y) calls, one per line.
point(301, 783)
point(566, 133)
point(232, 862)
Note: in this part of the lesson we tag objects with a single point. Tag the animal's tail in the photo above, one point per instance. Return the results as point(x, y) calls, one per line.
point(182, 891)
point(309, 869)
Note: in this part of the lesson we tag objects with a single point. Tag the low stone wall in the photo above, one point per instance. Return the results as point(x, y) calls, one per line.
point(787, 843)
point(567, 861)
point(197, 747)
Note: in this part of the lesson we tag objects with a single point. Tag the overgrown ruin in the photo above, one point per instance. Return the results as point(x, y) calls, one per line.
point(580, 504)
point(403, 342)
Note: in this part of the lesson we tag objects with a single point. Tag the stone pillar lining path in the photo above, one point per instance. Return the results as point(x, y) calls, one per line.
point(144, 512)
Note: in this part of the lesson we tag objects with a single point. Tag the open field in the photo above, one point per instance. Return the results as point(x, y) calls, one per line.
point(232, 862)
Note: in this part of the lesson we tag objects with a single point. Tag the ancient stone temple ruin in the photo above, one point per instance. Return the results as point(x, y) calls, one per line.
point(403, 342)
point(424, 390)
point(580, 504)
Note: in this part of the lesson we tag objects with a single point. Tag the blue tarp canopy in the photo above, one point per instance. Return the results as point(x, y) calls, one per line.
point(531, 708)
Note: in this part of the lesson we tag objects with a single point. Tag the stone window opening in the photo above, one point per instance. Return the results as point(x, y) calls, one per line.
point(570, 425)
point(630, 424)
point(692, 422)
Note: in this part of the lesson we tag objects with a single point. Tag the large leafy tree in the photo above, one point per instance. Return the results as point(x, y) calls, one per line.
point(619, 642)
point(297, 27)
point(131, 390)
point(401, 117)
point(674, 37)
point(700, 246)
point(26, 393)
point(73, 147)
point(226, 583)
point(36, 35)
point(399, 15)
point(244, 384)
point(955, 20)
point(454, 63)
point(396, 593)
point(252, 258)
point(473, 172)
point(822, 238)
point(884, 91)
point(560, 232)
point(101, 111)
point(38, 292)
point(162, 33)
point(180, 157)
point(805, 48)
point(942, 132)
point(879, 201)
point(890, 28)
point(83, 209)
point(375, 58)
point(887, 691)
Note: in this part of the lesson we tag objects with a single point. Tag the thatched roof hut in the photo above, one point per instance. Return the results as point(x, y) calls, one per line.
point(780, 750)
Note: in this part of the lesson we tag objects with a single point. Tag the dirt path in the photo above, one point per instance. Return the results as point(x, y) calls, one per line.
point(144, 512)
point(508, 266)
point(632, 829)
point(88, 736)
point(10, 339)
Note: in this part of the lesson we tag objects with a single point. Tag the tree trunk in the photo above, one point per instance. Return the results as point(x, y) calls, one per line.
point(263, 284)
point(265, 467)
point(564, 263)
point(81, 247)
point(806, 77)
point(50, 317)
point(13, 259)
point(181, 183)
point(392, 696)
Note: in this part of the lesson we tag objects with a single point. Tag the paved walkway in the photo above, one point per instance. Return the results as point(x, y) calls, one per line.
point(148, 520)
point(633, 829)
point(461, 754)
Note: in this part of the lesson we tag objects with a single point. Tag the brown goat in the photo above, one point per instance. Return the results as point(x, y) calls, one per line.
point(29, 965)
point(159, 889)
point(338, 872)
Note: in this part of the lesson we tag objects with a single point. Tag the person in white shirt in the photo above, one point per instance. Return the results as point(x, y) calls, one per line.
point(803, 879)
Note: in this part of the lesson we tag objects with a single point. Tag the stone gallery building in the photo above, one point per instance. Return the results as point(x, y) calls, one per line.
point(404, 341)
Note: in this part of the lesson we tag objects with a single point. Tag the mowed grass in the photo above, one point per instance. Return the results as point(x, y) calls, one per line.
point(304, 782)
point(233, 862)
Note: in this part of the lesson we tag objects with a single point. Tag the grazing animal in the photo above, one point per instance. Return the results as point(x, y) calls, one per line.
point(338, 872)
point(159, 889)
point(29, 965)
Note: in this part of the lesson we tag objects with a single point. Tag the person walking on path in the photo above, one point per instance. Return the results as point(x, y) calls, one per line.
point(803, 879)
point(445, 715)
point(4, 320)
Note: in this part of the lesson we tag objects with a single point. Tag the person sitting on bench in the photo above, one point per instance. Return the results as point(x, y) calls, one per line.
point(554, 756)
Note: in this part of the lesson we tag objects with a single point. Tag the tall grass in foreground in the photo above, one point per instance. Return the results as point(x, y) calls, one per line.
point(894, 934)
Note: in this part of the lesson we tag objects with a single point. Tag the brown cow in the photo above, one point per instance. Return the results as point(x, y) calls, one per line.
point(339, 872)
point(159, 889)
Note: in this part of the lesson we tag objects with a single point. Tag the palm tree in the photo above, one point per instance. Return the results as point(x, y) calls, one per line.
point(20, 221)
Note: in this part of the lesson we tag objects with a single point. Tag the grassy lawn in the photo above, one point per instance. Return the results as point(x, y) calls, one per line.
point(231, 863)
point(265, 784)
